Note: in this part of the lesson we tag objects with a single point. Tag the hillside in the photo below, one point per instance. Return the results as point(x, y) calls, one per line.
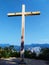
point(45, 45)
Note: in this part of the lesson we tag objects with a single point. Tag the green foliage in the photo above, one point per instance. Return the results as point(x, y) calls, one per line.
point(28, 54)
point(5, 54)
point(0, 52)
point(11, 52)
point(45, 54)
point(15, 54)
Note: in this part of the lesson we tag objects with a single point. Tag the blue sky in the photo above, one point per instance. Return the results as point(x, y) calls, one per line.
point(36, 27)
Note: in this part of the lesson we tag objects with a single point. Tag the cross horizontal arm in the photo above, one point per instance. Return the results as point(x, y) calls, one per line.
point(14, 14)
point(25, 13)
point(32, 13)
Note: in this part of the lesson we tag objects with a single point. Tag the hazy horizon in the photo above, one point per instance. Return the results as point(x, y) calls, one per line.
point(20, 44)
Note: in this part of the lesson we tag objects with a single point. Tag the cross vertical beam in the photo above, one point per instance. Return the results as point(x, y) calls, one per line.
point(22, 32)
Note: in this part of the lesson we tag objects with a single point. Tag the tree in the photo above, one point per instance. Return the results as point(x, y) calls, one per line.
point(44, 54)
point(0, 52)
point(29, 54)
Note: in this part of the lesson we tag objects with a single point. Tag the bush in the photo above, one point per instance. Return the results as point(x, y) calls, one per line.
point(45, 54)
point(15, 54)
point(28, 54)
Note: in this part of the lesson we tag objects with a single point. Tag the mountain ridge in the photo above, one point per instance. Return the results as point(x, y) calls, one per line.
point(46, 45)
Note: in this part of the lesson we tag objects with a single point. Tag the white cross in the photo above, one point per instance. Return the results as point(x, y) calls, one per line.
point(23, 14)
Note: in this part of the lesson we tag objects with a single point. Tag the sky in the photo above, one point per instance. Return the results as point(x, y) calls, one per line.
point(36, 27)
